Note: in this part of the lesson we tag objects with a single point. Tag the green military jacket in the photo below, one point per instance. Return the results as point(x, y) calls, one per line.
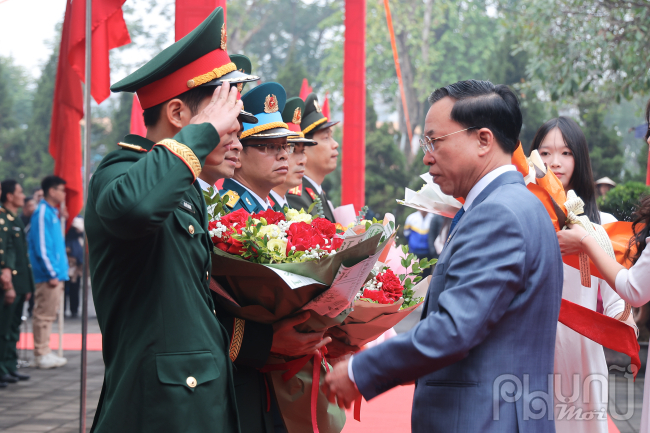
point(17, 255)
point(5, 242)
point(301, 197)
point(165, 352)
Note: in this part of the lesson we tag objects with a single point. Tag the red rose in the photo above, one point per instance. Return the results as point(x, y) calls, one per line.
point(303, 236)
point(239, 216)
point(270, 216)
point(379, 296)
point(390, 283)
point(325, 227)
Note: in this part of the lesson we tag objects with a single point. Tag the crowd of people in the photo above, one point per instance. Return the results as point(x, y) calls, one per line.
point(38, 267)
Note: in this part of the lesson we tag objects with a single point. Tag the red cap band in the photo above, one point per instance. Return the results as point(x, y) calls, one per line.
point(176, 83)
point(293, 127)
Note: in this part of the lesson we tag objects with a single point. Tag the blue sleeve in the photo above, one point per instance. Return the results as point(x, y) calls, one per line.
point(481, 276)
point(43, 242)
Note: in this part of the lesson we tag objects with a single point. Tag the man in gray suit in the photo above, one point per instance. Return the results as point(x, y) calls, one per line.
point(482, 355)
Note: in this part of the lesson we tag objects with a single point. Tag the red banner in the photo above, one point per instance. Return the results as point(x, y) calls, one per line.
point(191, 13)
point(353, 187)
point(67, 112)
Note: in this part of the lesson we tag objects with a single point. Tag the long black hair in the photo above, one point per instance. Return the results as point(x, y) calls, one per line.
point(582, 179)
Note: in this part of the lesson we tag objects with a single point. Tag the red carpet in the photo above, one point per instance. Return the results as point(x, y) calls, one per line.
point(391, 413)
point(70, 342)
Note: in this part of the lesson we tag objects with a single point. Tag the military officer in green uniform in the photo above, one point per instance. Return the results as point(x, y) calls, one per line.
point(321, 159)
point(263, 161)
point(265, 152)
point(292, 116)
point(6, 277)
point(165, 352)
point(12, 199)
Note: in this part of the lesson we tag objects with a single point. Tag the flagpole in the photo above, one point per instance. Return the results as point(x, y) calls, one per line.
point(86, 174)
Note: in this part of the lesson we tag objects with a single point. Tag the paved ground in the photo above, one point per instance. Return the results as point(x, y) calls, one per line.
point(49, 402)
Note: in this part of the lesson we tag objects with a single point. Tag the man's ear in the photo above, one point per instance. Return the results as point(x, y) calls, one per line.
point(485, 141)
point(174, 112)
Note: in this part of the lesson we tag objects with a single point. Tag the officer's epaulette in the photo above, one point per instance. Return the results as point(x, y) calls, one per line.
point(311, 193)
point(133, 147)
point(296, 191)
point(233, 197)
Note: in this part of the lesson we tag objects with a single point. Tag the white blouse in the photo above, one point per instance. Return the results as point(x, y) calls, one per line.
point(633, 284)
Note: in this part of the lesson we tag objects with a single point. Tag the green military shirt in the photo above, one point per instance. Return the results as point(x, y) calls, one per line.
point(5, 240)
point(17, 254)
point(165, 352)
point(301, 197)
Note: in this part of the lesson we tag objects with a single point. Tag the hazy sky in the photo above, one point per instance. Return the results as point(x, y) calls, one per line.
point(25, 28)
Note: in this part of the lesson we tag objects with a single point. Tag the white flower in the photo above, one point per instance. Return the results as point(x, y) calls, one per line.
point(277, 247)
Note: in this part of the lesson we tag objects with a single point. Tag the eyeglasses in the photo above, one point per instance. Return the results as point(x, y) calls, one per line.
point(426, 143)
point(273, 149)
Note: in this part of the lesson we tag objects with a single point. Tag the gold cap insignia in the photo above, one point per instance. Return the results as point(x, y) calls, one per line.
point(317, 106)
point(271, 104)
point(224, 37)
point(297, 116)
point(240, 87)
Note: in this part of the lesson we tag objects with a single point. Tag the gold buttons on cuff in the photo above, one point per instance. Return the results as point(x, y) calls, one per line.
point(2, 251)
point(14, 272)
point(4, 228)
point(191, 382)
point(191, 229)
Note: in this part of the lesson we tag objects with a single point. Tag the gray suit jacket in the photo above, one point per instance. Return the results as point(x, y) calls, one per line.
point(483, 352)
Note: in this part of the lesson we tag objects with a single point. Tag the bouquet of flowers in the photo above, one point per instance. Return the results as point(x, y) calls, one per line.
point(271, 265)
point(385, 300)
point(430, 198)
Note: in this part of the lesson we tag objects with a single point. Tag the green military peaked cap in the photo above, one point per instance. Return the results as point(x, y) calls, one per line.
point(313, 118)
point(198, 59)
point(292, 116)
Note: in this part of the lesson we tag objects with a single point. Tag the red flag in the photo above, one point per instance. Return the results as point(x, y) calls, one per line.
point(109, 31)
point(191, 13)
point(67, 112)
point(137, 121)
point(326, 107)
point(305, 89)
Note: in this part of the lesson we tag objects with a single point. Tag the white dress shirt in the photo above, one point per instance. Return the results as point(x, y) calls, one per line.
point(282, 201)
point(471, 196)
point(315, 185)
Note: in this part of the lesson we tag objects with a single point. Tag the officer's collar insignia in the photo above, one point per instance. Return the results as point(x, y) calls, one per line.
point(296, 191)
point(224, 37)
point(271, 104)
point(270, 201)
point(297, 116)
point(311, 193)
point(9, 217)
point(317, 106)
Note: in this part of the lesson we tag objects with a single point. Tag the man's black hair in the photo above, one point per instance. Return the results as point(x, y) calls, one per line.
point(51, 182)
point(482, 104)
point(8, 187)
point(192, 98)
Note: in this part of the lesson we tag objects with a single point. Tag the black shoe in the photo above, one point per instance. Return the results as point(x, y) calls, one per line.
point(19, 376)
point(3, 384)
point(8, 378)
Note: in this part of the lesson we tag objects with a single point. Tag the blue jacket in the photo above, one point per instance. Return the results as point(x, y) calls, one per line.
point(483, 352)
point(46, 245)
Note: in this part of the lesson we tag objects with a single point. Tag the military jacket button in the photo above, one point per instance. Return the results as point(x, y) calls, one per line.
point(191, 229)
point(191, 382)
point(14, 272)
point(2, 252)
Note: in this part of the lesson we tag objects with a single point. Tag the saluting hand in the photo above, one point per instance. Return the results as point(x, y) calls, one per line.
point(222, 111)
